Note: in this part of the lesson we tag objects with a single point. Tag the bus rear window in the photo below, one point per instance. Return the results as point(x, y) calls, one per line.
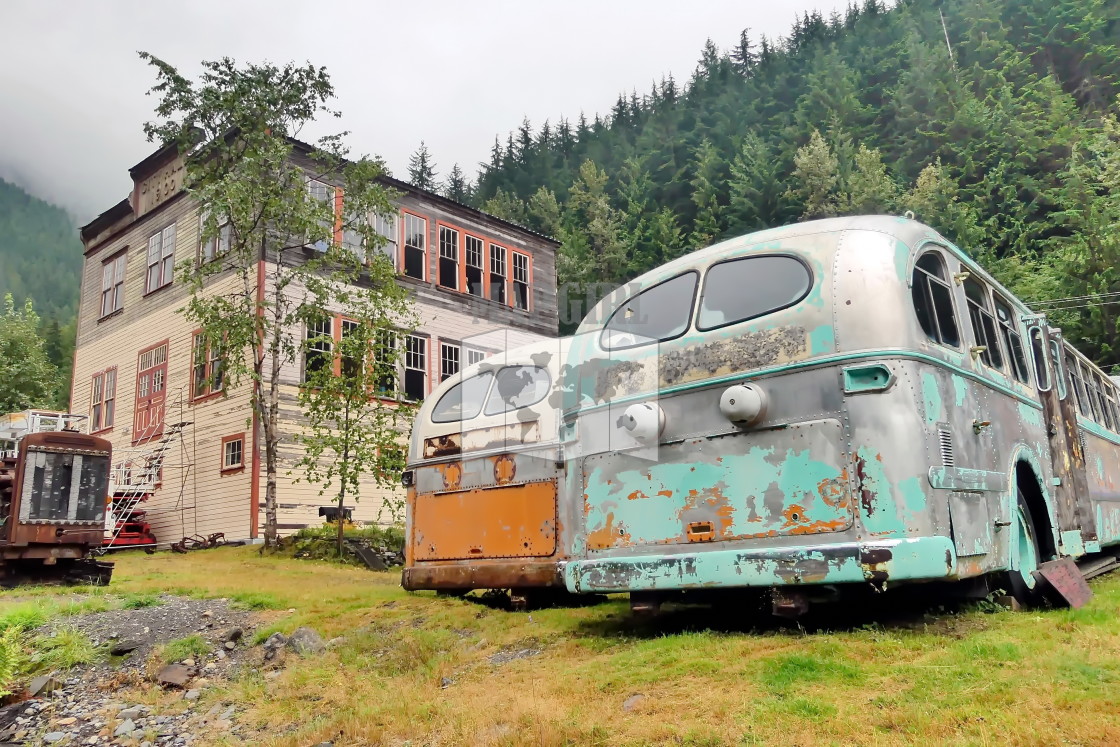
point(464, 400)
point(747, 288)
point(516, 387)
point(660, 313)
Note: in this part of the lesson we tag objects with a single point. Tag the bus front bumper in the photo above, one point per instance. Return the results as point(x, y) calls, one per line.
point(467, 575)
point(853, 562)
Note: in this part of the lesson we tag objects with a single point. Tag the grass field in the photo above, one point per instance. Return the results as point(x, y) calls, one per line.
point(420, 670)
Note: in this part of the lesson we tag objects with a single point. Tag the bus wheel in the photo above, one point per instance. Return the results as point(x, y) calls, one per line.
point(1025, 559)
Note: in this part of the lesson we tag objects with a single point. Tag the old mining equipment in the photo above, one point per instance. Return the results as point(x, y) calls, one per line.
point(53, 487)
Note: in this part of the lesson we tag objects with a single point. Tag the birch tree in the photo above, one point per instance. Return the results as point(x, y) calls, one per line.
point(286, 229)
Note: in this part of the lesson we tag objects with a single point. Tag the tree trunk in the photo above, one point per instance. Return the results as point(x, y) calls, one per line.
point(344, 471)
point(271, 428)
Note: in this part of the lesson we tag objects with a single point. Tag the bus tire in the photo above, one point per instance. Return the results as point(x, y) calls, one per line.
point(1020, 580)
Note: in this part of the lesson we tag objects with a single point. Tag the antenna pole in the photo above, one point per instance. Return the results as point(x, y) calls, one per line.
point(949, 46)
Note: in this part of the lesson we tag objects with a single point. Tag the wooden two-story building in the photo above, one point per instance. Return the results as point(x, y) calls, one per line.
point(478, 284)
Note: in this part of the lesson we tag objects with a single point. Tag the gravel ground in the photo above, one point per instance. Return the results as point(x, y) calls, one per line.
point(87, 705)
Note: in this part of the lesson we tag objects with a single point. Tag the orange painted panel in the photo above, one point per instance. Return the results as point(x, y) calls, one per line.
point(517, 521)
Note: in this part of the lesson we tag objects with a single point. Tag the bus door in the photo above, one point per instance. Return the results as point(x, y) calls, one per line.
point(1067, 453)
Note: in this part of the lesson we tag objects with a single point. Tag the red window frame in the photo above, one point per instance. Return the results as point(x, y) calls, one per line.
point(528, 279)
point(460, 272)
point(237, 467)
point(207, 390)
point(151, 392)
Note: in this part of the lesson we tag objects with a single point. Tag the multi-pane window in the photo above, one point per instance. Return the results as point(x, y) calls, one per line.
point(352, 239)
point(474, 356)
point(319, 349)
point(206, 367)
point(217, 245)
point(325, 194)
point(386, 227)
point(475, 268)
point(233, 452)
point(521, 280)
point(415, 246)
point(384, 359)
point(103, 400)
point(497, 273)
point(349, 364)
point(933, 300)
point(448, 360)
point(983, 323)
point(448, 257)
point(161, 259)
point(1012, 341)
point(112, 284)
point(416, 368)
point(151, 381)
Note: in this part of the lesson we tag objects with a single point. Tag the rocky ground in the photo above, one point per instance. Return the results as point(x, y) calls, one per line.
point(89, 705)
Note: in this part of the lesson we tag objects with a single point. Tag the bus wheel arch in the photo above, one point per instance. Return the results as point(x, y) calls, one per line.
point(1029, 486)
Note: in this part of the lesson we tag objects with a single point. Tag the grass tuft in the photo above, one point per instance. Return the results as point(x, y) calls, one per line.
point(65, 648)
point(191, 647)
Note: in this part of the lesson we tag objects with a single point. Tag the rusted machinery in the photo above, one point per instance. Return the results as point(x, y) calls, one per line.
point(53, 486)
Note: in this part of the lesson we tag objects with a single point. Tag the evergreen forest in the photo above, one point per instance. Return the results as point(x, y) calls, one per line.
point(41, 261)
point(995, 121)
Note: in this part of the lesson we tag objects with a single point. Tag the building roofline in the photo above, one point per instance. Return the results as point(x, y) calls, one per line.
point(106, 219)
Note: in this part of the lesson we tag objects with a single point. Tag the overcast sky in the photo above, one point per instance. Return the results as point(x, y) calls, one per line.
point(72, 90)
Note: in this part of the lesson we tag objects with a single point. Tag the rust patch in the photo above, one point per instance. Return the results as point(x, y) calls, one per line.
point(637, 495)
point(612, 376)
point(866, 498)
point(505, 469)
point(666, 493)
point(739, 353)
point(438, 446)
point(452, 474)
point(832, 490)
point(608, 535)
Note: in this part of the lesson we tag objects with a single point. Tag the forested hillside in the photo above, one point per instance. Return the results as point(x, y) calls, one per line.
point(1008, 144)
point(41, 260)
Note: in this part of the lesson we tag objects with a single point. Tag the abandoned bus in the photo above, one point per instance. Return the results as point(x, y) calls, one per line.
point(848, 401)
point(482, 478)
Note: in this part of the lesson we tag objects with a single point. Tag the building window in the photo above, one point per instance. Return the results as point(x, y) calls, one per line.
point(319, 350)
point(416, 368)
point(474, 356)
point(349, 366)
point(233, 453)
point(112, 284)
point(386, 227)
point(983, 323)
point(475, 268)
point(387, 374)
point(415, 246)
point(206, 367)
point(448, 360)
point(521, 280)
point(216, 246)
point(103, 401)
point(352, 239)
point(325, 194)
point(161, 259)
point(151, 385)
point(448, 258)
point(497, 273)
point(933, 300)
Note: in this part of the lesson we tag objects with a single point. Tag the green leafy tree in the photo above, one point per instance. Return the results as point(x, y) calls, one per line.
point(30, 379)
point(353, 432)
point(267, 197)
point(870, 188)
point(421, 169)
point(758, 191)
point(935, 200)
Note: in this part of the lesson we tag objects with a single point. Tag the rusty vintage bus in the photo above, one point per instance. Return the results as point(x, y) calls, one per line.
point(482, 478)
point(850, 401)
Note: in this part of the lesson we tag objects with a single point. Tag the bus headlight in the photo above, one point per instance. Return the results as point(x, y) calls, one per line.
point(743, 403)
point(644, 421)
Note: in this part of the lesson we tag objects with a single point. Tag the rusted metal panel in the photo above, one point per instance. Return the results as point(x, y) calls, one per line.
point(483, 575)
point(502, 522)
point(1064, 577)
point(972, 523)
point(781, 482)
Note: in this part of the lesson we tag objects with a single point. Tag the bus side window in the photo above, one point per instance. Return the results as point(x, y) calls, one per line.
point(1059, 368)
point(1110, 399)
point(1012, 341)
point(659, 313)
point(983, 323)
point(1091, 394)
point(933, 300)
point(1038, 352)
point(1075, 381)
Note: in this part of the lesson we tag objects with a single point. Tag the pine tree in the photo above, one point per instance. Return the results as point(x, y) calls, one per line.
point(707, 226)
point(743, 57)
point(870, 188)
point(421, 170)
point(816, 174)
point(758, 194)
point(457, 187)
